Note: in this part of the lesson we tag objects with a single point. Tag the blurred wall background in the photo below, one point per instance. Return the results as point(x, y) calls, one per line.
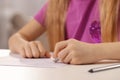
point(14, 14)
point(27, 7)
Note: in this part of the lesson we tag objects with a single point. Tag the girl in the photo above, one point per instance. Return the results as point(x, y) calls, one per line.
point(73, 27)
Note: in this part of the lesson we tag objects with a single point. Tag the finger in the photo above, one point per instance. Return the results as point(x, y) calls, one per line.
point(43, 52)
point(35, 50)
point(28, 51)
point(75, 62)
point(62, 54)
point(58, 47)
point(22, 52)
point(67, 59)
point(47, 54)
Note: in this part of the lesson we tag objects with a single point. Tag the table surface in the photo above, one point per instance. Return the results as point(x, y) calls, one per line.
point(70, 72)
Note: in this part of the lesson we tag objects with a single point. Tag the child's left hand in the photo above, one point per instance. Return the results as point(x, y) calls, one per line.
point(76, 52)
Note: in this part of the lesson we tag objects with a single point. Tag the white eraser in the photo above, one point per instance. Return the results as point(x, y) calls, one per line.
point(55, 59)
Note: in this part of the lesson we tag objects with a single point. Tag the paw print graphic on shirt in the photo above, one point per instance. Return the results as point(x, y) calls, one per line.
point(95, 31)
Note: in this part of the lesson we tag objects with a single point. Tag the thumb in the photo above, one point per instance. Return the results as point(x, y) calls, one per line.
point(58, 47)
point(47, 54)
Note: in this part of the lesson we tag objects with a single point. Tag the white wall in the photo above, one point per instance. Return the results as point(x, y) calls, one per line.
point(28, 7)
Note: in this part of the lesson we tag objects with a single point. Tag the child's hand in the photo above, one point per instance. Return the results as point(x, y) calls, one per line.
point(33, 49)
point(76, 52)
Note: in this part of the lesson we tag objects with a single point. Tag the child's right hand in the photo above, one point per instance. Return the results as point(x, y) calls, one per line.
point(33, 49)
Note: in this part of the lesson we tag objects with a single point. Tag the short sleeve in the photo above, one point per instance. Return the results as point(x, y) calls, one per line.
point(40, 16)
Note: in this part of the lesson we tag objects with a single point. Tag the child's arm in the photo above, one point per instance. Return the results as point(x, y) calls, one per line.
point(76, 52)
point(32, 30)
point(22, 43)
point(110, 51)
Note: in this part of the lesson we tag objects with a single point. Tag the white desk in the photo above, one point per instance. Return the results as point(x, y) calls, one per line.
point(62, 73)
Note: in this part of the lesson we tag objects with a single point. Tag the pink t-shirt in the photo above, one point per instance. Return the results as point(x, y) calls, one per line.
point(82, 22)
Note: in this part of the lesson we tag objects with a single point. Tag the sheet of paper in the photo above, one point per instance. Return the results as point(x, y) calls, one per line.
point(17, 60)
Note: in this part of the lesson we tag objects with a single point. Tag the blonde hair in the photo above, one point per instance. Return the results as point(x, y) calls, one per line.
point(56, 16)
point(55, 21)
point(109, 10)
